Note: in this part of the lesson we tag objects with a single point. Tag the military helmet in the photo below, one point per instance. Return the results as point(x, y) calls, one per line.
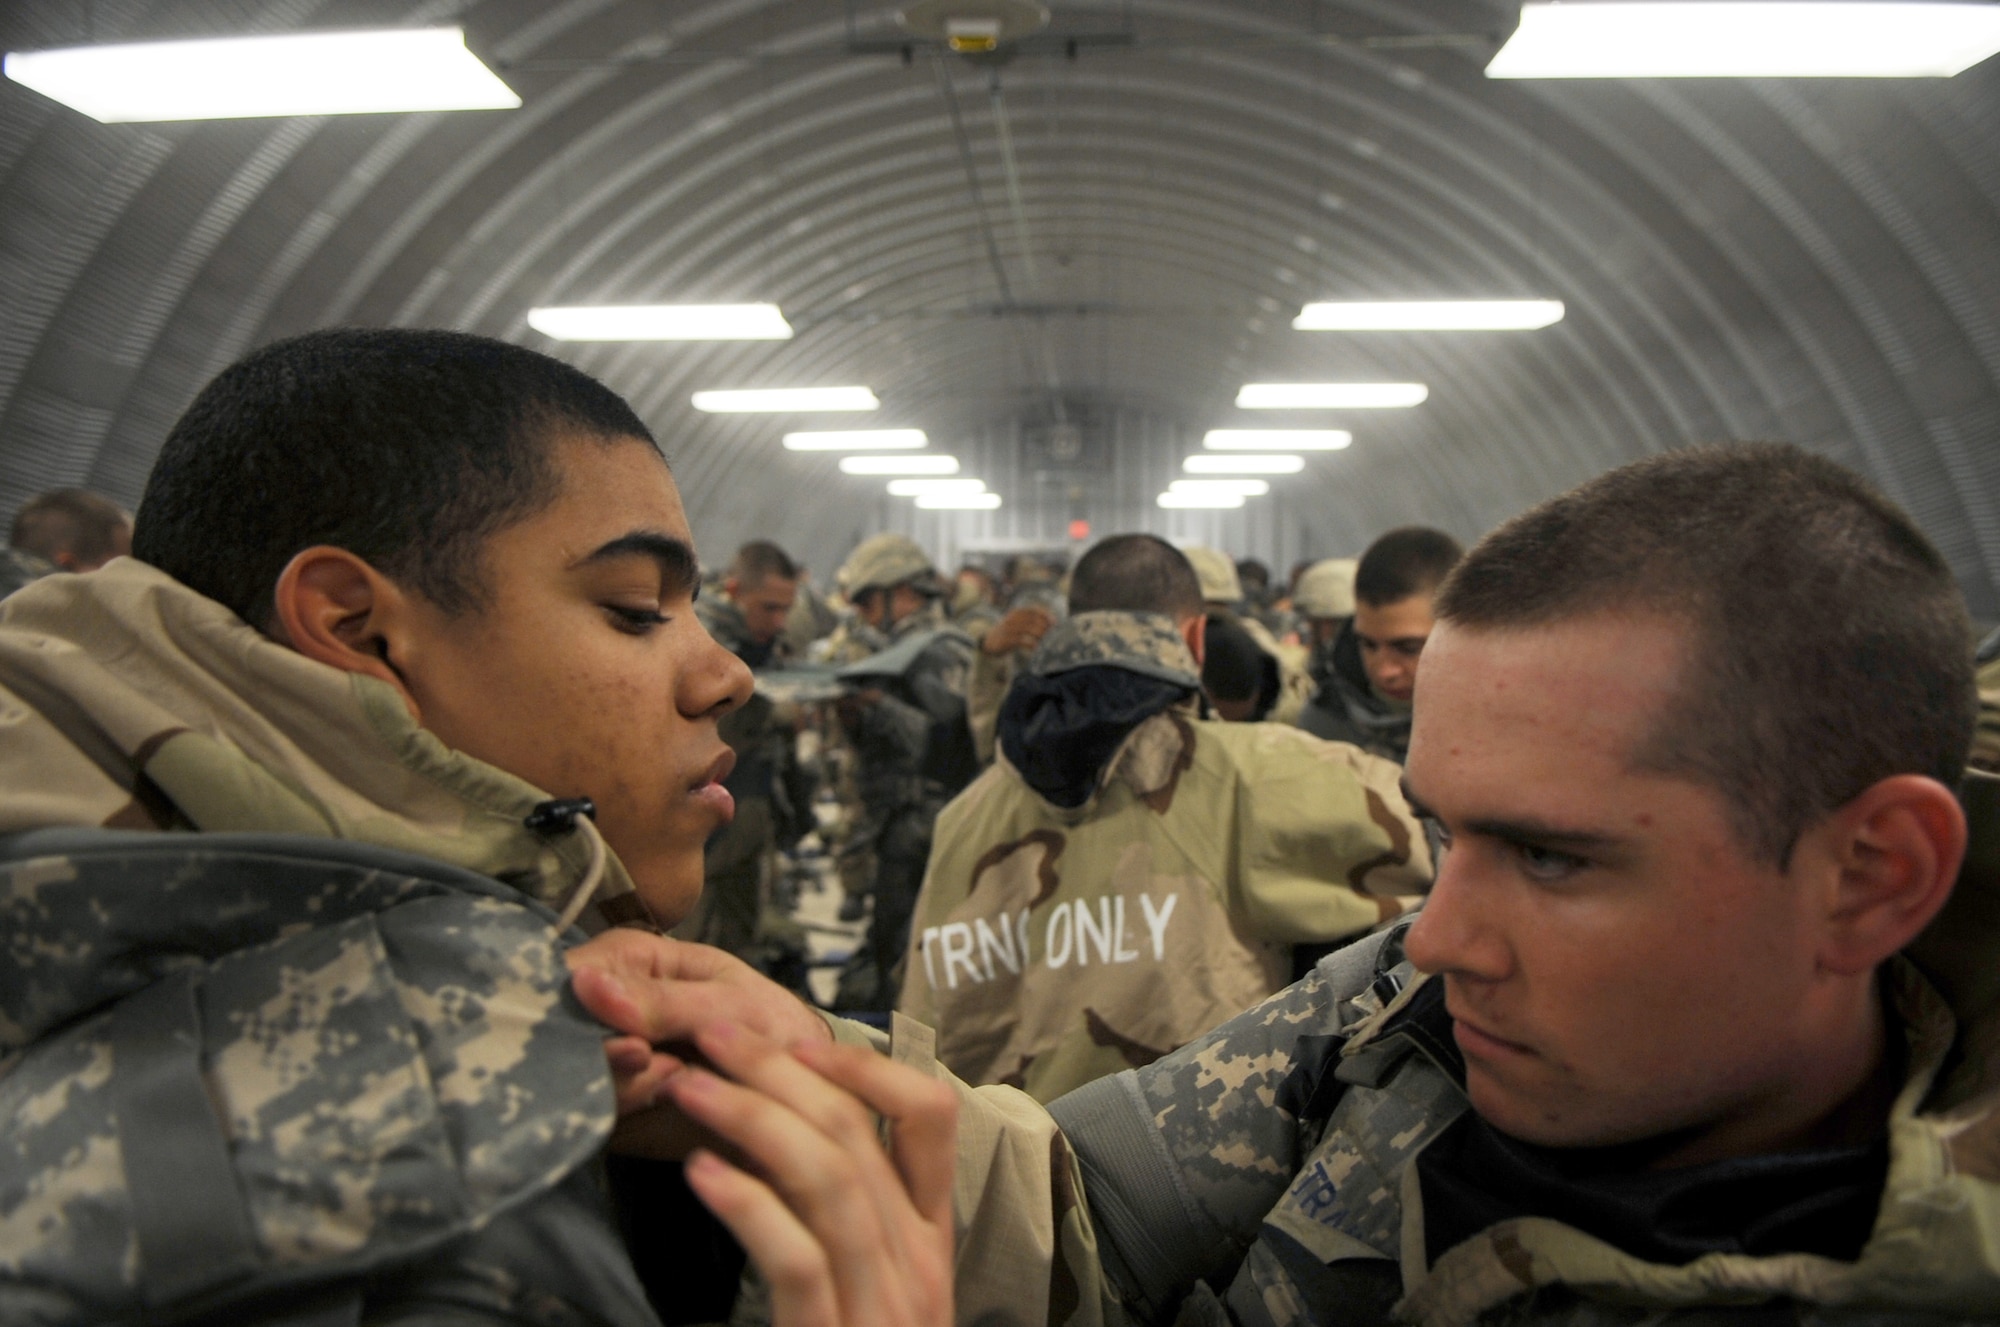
point(1326, 589)
point(883, 561)
point(1219, 581)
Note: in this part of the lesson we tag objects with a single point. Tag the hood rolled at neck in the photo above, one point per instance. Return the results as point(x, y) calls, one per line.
point(1093, 680)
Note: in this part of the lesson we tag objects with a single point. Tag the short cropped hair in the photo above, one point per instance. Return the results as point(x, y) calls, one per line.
point(1135, 573)
point(407, 448)
point(1412, 560)
point(759, 561)
point(1254, 575)
point(1829, 647)
point(75, 521)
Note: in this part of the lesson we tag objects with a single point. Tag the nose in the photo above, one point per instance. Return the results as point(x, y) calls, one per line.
point(717, 683)
point(1454, 933)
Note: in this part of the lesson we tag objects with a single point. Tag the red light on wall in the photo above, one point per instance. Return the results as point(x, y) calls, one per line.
point(1079, 529)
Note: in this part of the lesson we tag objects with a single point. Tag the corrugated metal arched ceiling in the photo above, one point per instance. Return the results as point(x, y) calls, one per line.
point(1813, 260)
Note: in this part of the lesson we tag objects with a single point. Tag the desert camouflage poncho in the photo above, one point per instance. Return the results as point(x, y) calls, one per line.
point(1052, 945)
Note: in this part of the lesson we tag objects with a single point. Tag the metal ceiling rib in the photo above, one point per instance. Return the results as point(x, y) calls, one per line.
point(1816, 261)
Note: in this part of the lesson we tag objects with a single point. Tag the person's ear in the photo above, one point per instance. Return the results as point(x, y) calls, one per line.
point(1194, 630)
point(1896, 849)
point(731, 585)
point(331, 606)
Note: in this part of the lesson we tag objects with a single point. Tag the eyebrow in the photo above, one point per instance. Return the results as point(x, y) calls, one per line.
point(1538, 833)
point(680, 569)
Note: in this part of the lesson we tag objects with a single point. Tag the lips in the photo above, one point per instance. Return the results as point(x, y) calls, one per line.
point(1479, 1044)
point(708, 789)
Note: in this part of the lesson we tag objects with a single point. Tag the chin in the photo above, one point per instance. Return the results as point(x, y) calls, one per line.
point(669, 887)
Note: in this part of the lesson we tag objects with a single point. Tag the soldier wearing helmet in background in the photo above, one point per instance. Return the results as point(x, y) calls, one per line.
point(1223, 591)
point(1323, 602)
point(905, 714)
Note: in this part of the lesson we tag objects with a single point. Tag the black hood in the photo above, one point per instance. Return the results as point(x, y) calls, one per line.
point(1061, 731)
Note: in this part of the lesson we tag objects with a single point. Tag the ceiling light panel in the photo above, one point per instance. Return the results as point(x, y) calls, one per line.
point(1789, 39)
point(1246, 463)
point(1330, 395)
point(778, 400)
point(959, 501)
point(301, 73)
point(857, 440)
point(661, 322)
point(919, 488)
point(1248, 488)
point(1200, 501)
point(1264, 440)
point(1485, 315)
point(899, 465)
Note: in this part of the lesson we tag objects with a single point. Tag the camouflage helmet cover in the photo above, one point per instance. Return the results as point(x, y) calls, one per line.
point(883, 561)
point(1219, 581)
point(1327, 589)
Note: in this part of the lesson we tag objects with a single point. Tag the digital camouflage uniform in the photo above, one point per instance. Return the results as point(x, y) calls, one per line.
point(1268, 1174)
point(1054, 945)
point(325, 1044)
point(913, 753)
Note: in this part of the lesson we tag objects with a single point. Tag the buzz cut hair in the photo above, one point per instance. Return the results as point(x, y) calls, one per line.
point(1136, 573)
point(75, 521)
point(761, 560)
point(409, 448)
point(1411, 560)
point(1828, 644)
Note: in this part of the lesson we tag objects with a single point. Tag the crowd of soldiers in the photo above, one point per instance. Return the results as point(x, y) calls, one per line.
point(1636, 967)
point(881, 702)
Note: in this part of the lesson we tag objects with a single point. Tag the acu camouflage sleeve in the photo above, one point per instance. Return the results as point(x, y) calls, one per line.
point(1182, 1159)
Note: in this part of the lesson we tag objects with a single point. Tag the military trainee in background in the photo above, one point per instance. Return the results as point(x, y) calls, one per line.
point(1035, 603)
point(975, 600)
point(1223, 592)
point(304, 807)
point(773, 794)
point(65, 529)
point(905, 714)
point(1368, 685)
point(1129, 875)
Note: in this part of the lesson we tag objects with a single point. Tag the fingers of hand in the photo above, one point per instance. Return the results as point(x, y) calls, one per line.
point(922, 1114)
point(642, 1087)
point(792, 1261)
point(834, 1191)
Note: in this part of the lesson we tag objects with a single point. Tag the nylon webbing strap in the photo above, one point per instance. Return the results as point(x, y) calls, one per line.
point(187, 1212)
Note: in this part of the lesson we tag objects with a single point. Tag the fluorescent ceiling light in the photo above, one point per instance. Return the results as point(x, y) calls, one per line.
point(1243, 463)
point(662, 322)
point(1247, 488)
point(1217, 501)
point(1330, 395)
point(1429, 315)
point(919, 488)
point(1789, 39)
point(959, 501)
point(775, 400)
point(1258, 440)
point(857, 440)
point(899, 465)
point(300, 73)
